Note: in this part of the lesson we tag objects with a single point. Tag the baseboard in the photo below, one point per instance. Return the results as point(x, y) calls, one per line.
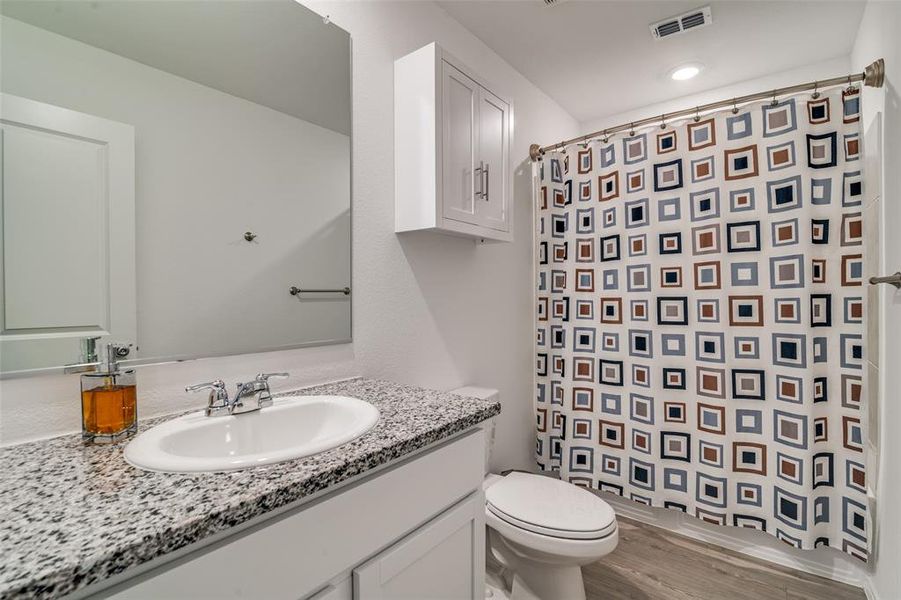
point(869, 590)
point(822, 562)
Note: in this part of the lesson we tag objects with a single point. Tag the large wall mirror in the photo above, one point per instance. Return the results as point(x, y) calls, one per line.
point(168, 184)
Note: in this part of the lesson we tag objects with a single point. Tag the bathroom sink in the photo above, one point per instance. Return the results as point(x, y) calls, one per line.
point(293, 427)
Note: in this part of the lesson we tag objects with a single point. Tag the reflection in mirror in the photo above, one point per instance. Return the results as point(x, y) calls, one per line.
point(166, 184)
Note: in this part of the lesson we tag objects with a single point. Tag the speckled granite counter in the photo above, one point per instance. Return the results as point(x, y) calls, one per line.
point(72, 515)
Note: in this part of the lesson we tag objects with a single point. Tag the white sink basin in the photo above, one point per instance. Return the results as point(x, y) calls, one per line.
point(293, 427)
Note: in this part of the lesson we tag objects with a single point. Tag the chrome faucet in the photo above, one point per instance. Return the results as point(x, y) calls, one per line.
point(219, 403)
point(258, 389)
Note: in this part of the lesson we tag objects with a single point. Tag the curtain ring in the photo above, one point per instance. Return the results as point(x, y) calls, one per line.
point(734, 107)
point(632, 129)
point(851, 87)
point(775, 102)
point(816, 90)
point(697, 114)
point(606, 138)
point(663, 121)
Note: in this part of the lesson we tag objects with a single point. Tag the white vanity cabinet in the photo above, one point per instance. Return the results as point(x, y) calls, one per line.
point(414, 529)
point(452, 135)
point(443, 559)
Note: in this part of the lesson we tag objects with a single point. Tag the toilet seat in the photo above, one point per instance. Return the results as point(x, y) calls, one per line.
point(552, 549)
point(563, 534)
point(549, 507)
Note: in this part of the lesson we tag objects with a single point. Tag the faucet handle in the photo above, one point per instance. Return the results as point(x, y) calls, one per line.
point(267, 376)
point(262, 381)
point(218, 399)
point(212, 385)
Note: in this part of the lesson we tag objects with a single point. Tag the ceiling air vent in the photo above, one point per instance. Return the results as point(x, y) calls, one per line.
point(682, 23)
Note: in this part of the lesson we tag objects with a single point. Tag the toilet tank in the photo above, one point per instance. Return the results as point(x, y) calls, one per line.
point(491, 395)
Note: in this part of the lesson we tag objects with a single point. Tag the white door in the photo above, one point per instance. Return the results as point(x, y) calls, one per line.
point(67, 233)
point(460, 170)
point(443, 559)
point(494, 120)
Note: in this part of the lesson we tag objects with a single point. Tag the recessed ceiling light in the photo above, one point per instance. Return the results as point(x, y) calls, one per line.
point(685, 72)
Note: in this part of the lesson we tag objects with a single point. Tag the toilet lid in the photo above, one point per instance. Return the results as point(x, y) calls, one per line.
point(550, 507)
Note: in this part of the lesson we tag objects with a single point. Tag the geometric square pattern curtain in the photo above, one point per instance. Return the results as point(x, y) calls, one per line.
point(701, 315)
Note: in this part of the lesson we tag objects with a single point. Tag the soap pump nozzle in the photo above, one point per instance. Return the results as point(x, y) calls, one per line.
point(114, 352)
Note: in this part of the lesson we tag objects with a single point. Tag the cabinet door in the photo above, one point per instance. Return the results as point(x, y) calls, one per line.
point(443, 559)
point(494, 131)
point(459, 163)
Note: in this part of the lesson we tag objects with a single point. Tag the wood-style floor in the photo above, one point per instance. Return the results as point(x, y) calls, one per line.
point(653, 564)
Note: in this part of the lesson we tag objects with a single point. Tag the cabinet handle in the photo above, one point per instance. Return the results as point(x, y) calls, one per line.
point(479, 193)
point(487, 181)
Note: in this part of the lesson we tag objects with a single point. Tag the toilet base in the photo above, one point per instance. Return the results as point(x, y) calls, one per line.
point(530, 579)
point(496, 587)
point(543, 582)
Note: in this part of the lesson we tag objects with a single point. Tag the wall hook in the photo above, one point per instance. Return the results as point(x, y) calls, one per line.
point(250, 236)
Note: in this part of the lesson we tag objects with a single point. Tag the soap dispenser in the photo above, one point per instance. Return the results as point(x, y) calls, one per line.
point(109, 400)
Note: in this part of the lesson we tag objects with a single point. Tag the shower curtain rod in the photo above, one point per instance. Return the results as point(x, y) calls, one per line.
point(873, 76)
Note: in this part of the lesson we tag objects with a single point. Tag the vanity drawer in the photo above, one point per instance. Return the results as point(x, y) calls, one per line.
point(296, 553)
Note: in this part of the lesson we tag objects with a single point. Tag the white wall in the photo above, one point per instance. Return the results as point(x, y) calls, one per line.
point(877, 37)
point(430, 310)
point(209, 166)
point(823, 70)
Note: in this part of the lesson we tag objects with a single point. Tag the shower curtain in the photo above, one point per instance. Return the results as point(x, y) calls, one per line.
point(700, 318)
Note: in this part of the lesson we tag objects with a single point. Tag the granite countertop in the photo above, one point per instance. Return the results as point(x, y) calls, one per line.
point(72, 514)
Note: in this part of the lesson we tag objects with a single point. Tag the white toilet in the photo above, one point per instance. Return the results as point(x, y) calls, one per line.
point(542, 530)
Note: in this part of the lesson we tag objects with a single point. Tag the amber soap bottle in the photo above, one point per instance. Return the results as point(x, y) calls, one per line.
point(109, 401)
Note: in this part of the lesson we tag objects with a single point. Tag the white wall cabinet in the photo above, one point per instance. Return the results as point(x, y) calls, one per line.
point(452, 135)
point(415, 529)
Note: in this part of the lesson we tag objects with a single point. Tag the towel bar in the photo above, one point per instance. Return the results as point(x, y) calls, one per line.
point(296, 290)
